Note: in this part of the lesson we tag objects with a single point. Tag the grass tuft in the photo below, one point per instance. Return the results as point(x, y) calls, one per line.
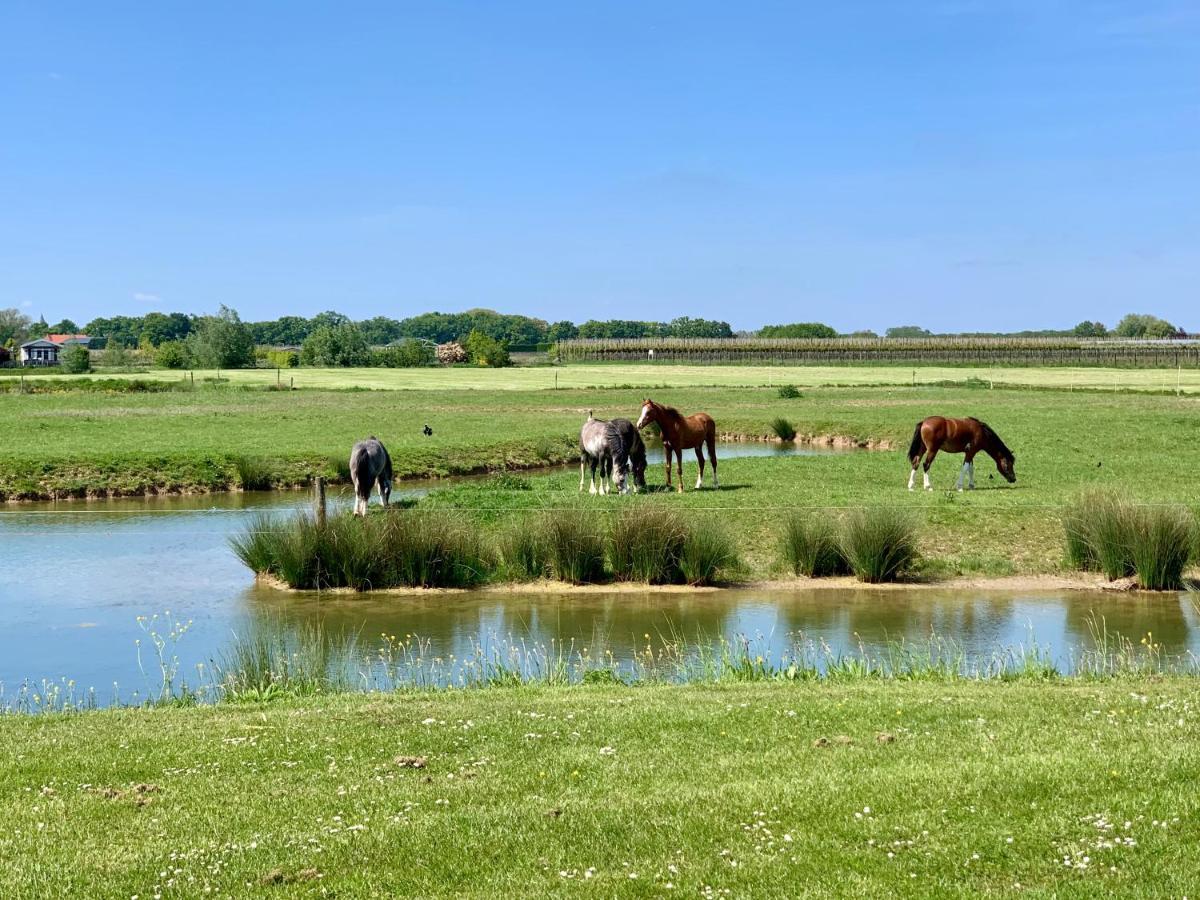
point(1107, 532)
point(789, 392)
point(709, 556)
point(811, 548)
point(880, 543)
point(254, 473)
point(523, 553)
point(574, 545)
point(784, 430)
point(646, 544)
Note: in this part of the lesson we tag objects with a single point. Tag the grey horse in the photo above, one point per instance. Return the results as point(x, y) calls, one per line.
point(635, 448)
point(600, 446)
point(369, 464)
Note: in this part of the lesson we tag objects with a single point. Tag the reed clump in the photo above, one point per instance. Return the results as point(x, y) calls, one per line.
point(396, 549)
point(811, 547)
point(1108, 532)
point(575, 544)
point(880, 543)
point(784, 430)
point(647, 544)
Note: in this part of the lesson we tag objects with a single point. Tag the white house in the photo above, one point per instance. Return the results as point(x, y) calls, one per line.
point(39, 353)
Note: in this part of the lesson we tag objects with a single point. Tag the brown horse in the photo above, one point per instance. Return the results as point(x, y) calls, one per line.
point(968, 436)
point(679, 433)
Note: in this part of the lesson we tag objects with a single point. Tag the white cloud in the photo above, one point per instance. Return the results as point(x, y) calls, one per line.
point(143, 297)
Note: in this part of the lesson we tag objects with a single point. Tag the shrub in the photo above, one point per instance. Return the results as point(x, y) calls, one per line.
point(810, 547)
point(282, 359)
point(708, 556)
point(335, 345)
point(450, 353)
point(879, 544)
point(647, 544)
point(789, 392)
point(76, 360)
point(407, 354)
point(783, 429)
point(574, 546)
point(171, 355)
point(485, 350)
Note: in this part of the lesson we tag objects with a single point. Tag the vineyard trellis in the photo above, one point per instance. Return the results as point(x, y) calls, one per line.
point(919, 351)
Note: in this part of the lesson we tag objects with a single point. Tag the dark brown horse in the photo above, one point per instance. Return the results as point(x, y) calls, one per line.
point(968, 436)
point(679, 433)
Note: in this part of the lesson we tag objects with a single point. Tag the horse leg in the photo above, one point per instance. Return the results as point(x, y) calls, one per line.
point(592, 489)
point(667, 451)
point(711, 440)
point(385, 491)
point(582, 465)
point(970, 466)
point(916, 463)
point(605, 474)
point(700, 460)
point(679, 460)
point(929, 462)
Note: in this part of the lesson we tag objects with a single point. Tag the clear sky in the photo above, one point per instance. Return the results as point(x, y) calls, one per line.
point(959, 164)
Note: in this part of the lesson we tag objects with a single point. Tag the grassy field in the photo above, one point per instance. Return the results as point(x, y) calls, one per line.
point(78, 442)
point(610, 375)
point(1066, 789)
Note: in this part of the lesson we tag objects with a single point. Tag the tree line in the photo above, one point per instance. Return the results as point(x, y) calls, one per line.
point(223, 340)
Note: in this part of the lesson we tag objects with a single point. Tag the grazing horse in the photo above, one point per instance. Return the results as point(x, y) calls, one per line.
point(369, 464)
point(968, 436)
point(636, 449)
point(679, 433)
point(600, 445)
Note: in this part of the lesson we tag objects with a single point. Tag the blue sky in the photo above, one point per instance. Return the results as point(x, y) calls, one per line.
point(960, 164)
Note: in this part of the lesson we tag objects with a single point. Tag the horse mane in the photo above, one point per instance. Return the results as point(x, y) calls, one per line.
point(671, 412)
point(994, 438)
point(616, 441)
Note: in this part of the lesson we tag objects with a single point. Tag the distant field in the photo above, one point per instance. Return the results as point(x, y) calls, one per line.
point(645, 375)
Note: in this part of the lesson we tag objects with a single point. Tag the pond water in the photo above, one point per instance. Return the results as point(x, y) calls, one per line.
point(78, 576)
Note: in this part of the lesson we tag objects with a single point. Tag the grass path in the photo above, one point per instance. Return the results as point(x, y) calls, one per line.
point(1065, 789)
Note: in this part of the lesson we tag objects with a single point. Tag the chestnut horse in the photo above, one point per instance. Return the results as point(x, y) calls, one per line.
point(679, 433)
point(967, 436)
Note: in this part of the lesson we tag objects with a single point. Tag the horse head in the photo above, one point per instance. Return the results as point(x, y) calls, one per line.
point(1006, 465)
point(648, 408)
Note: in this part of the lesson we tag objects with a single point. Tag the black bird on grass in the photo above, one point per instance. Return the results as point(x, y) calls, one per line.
point(427, 431)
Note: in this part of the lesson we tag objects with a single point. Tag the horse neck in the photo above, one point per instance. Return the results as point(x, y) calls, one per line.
point(669, 419)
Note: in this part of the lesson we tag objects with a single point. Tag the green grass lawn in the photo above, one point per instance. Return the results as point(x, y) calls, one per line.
point(1064, 441)
point(1069, 788)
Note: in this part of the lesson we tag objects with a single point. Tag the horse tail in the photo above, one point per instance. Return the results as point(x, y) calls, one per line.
point(710, 438)
point(360, 471)
point(917, 447)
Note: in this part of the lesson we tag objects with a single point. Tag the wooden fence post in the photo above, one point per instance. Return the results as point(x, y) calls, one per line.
point(319, 499)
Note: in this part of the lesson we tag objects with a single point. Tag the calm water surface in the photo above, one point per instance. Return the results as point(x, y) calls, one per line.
point(77, 576)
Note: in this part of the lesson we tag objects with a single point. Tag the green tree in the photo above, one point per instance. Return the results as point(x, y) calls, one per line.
point(379, 330)
point(335, 345)
point(1140, 325)
point(908, 331)
point(157, 328)
point(286, 331)
point(221, 341)
point(75, 359)
point(65, 326)
point(562, 331)
point(123, 330)
point(484, 350)
point(798, 330)
point(14, 326)
point(1090, 329)
point(686, 327)
point(171, 355)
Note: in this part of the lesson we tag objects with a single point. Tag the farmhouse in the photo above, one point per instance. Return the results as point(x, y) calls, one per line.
point(44, 351)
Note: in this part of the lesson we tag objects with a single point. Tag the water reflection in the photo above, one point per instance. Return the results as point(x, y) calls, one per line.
point(79, 575)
